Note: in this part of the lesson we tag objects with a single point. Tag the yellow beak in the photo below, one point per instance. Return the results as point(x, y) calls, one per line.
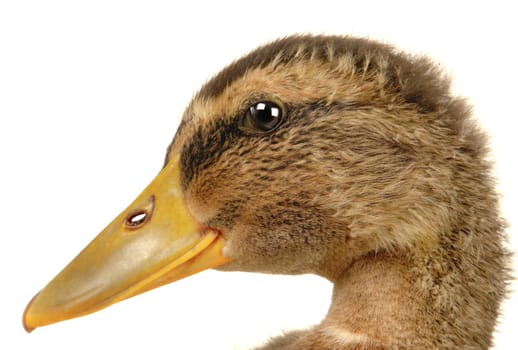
point(153, 242)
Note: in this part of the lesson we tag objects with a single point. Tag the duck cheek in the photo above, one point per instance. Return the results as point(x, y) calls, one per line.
point(268, 252)
point(241, 263)
point(243, 251)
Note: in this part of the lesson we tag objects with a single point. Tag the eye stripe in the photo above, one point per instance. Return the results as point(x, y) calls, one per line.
point(208, 142)
point(206, 147)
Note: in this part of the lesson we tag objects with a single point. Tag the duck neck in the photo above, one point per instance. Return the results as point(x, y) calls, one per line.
point(374, 302)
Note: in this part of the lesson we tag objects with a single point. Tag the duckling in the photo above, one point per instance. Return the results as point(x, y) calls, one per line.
point(330, 155)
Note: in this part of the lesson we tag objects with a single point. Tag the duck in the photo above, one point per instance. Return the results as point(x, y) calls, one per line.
point(331, 155)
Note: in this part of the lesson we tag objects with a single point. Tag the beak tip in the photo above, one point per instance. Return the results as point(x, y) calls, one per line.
point(25, 319)
point(28, 329)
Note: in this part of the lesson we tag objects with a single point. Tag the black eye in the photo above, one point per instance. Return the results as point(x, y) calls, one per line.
point(263, 116)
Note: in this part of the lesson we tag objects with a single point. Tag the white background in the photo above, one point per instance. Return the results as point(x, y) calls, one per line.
point(90, 96)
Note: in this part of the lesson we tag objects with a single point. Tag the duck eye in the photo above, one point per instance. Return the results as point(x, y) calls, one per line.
point(263, 116)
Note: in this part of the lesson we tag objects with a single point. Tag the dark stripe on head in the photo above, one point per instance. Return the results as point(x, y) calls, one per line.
point(416, 80)
point(284, 50)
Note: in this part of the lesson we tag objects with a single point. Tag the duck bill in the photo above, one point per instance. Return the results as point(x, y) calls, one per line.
point(153, 242)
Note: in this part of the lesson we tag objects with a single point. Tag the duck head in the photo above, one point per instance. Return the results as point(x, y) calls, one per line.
point(300, 157)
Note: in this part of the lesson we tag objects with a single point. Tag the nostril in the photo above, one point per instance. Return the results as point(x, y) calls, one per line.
point(136, 219)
